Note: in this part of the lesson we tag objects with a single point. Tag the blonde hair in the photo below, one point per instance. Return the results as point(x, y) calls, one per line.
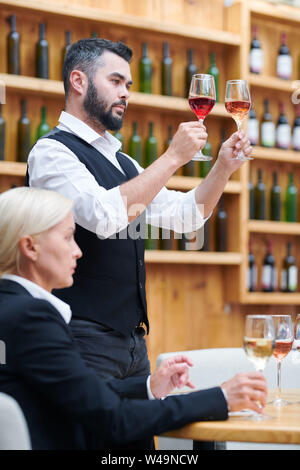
point(27, 211)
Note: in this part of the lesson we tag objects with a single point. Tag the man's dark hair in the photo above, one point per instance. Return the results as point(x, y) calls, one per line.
point(84, 54)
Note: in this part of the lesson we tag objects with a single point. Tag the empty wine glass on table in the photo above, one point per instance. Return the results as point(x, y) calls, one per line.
point(202, 98)
point(238, 103)
point(284, 337)
point(259, 343)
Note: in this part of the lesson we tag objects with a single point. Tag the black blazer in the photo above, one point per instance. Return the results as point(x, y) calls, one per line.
point(62, 399)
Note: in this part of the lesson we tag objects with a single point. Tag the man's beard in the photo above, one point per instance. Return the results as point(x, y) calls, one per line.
point(96, 109)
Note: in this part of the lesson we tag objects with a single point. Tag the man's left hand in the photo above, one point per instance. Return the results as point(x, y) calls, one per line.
point(172, 372)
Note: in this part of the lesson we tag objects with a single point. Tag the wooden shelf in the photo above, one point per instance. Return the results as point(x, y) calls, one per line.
point(54, 88)
point(271, 298)
point(279, 228)
point(275, 11)
point(187, 183)
point(271, 83)
point(13, 169)
point(192, 257)
point(128, 21)
point(276, 155)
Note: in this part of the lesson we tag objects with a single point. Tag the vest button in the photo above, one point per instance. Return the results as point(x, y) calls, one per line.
point(141, 262)
point(141, 285)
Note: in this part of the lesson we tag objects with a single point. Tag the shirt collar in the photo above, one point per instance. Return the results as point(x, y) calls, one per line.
point(85, 132)
point(40, 293)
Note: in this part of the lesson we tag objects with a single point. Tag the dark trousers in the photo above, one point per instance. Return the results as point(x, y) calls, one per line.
point(112, 354)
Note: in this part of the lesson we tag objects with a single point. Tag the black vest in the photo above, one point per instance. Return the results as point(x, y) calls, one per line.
point(109, 282)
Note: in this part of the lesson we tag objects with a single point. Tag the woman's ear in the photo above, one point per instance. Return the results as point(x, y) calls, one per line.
point(28, 247)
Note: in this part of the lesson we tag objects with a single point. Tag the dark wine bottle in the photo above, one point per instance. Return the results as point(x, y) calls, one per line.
point(283, 130)
point(269, 271)
point(66, 47)
point(205, 166)
point(2, 135)
point(167, 62)
point(42, 52)
point(150, 242)
point(13, 48)
point(284, 60)
point(150, 146)
point(214, 71)
point(296, 130)
point(291, 201)
point(145, 69)
point(135, 145)
point(251, 200)
point(260, 197)
point(252, 271)
point(24, 134)
point(256, 58)
point(253, 128)
point(43, 128)
point(191, 69)
point(275, 199)
point(289, 272)
point(221, 227)
point(267, 127)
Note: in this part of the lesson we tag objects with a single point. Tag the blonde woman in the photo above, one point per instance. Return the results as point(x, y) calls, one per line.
point(63, 400)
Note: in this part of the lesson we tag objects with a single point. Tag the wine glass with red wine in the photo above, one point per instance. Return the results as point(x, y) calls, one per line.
point(202, 98)
point(238, 103)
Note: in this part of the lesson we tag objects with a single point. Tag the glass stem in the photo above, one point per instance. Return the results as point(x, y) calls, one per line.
point(279, 380)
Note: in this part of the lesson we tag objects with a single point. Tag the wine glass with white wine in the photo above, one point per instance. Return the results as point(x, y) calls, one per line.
point(259, 343)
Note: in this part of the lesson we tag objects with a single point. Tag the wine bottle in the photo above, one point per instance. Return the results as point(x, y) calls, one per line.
point(150, 146)
point(170, 137)
point(283, 130)
point(269, 271)
point(267, 128)
point(120, 138)
point(166, 239)
point(66, 47)
point(205, 166)
point(221, 227)
point(251, 200)
point(284, 60)
point(256, 57)
point(275, 199)
point(291, 203)
point(145, 69)
point(251, 271)
point(191, 69)
point(13, 48)
point(135, 145)
point(260, 197)
point(214, 71)
point(289, 272)
point(167, 86)
point(43, 128)
point(24, 134)
point(296, 130)
point(2, 135)
point(253, 127)
point(189, 169)
point(150, 242)
point(42, 61)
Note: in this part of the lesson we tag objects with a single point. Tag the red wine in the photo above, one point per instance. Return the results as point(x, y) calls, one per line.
point(238, 109)
point(202, 106)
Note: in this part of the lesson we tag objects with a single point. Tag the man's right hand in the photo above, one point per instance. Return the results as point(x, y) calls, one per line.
point(186, 142)
point(246, 391)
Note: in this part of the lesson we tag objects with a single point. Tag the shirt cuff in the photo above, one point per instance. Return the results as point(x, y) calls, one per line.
point(149, 393)
point(225, 396)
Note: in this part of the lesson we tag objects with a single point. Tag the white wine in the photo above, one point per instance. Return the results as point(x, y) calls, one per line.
point(259, 351)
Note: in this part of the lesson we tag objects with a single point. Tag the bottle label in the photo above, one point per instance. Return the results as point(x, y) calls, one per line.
point(293, 278)
point(283, 136)
point(269, 277)
point(253, 131)
point(268, 134)
point(256, 60)
point(284, 66)
point(296, 138)
point(251, 278)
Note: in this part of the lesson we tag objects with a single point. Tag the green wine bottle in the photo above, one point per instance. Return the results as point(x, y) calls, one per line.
point(43, 128)
point(150, 146)
point(13, 48)
point(191, 69)
point(135, 145)
point(275, 199)
point(2, 135)
point(167, 87)
point(214, 71)
point(66, 48)
point(42, 61)
point(221, 227)
point(145, 69)
point(120, 137)
point(251, 200)
point(260, 197)
point(291, 196)
point(150, 243)
point(205, 166)
point(24, 134)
